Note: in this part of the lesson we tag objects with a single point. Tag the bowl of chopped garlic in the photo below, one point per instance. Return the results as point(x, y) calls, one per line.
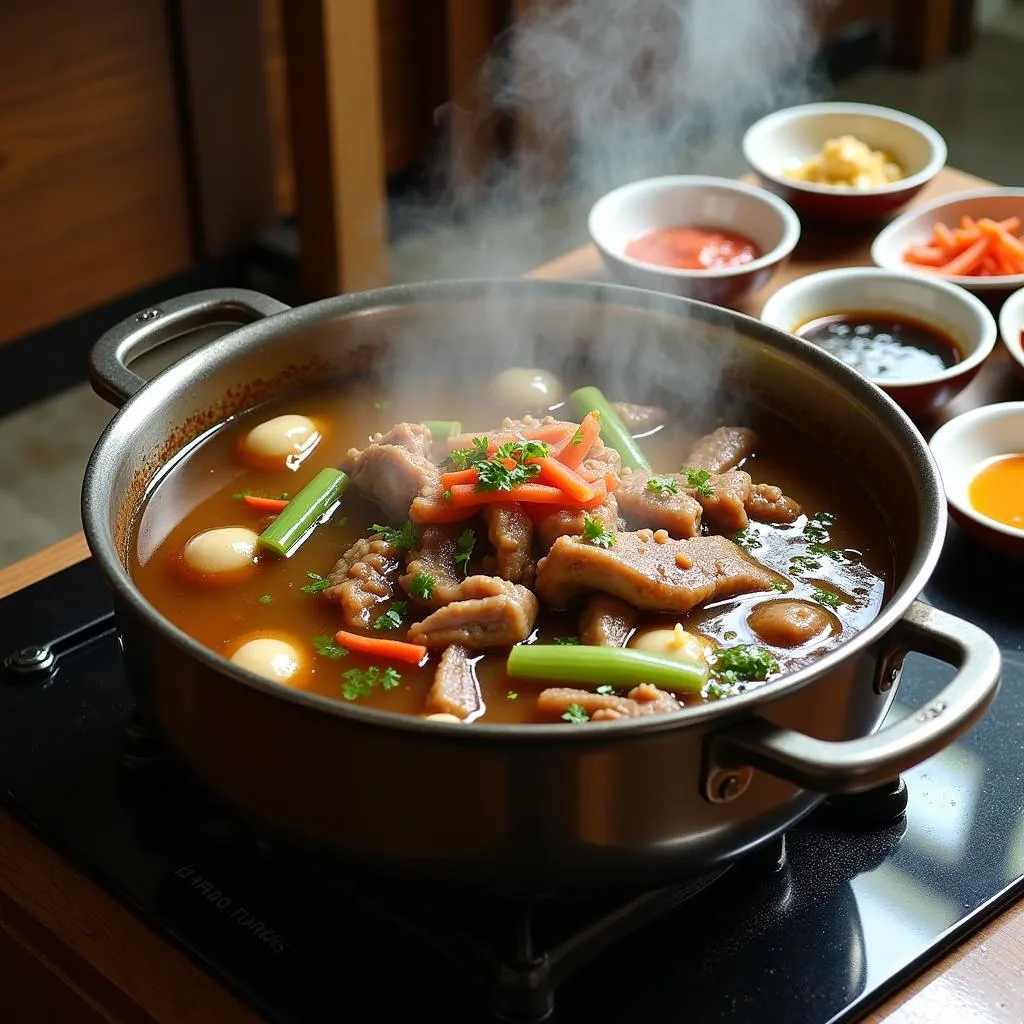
point(844, 162)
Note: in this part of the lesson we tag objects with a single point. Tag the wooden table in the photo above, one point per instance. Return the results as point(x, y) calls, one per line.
point(71, 953)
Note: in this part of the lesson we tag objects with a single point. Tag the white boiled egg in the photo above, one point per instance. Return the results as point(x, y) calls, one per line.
point(674, 643)
point(270, 657)
point(221, 552)
point(281, 441)
point(519, 390)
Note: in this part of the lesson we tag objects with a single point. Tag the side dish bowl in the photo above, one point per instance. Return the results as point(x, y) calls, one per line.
point(915, 228)
point(799, 133)
point(634, 210)
point(961, 447)
point(953, 313)
point(1011, 329)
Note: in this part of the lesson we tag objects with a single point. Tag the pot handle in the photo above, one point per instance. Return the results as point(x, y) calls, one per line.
point(151, 327)
point(852, 765)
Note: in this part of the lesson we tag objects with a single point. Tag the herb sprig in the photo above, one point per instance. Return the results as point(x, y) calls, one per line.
point(699, 480)
point(403, 538)
point(317, 583)
point(464, 549)
point(360, 682)
point(662, 485)
point(595, 532)
point(327, 647)
point(576, 714)
point(392, 618)
point(422, 586)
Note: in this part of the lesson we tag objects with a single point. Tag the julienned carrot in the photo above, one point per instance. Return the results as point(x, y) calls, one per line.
point(600, 496)
point(265, 504)
point(1010, 224)
point(967, 261)
point(382, 647)
point(559, 475)
point(926, 255)
point(582, 440)
point(980, 247)
point(462, 476)
point(943, 236)
point(464, 495)
point(1002, 238)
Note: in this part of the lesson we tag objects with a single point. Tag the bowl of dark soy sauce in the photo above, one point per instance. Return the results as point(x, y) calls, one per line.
point(920, 340)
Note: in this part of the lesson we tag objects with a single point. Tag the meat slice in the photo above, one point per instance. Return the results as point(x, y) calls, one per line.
point(567, 522)
point(391, 475)
point(510, 530)
point(600, 461)
point(455, 690)
point(652, 571)
point(722, 449)
point(606, 621)
point(362, 578)
point(768, 504)
point(489, 613)
point(638, 419)
point(644, 699)
point(413, 437)
point(724, 508)
point(435, 556)
point(677, 511)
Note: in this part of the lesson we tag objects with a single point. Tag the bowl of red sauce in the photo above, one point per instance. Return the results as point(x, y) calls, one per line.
point(702, 237)
point(980, 456)
point(922, 341)
point(1011, 329)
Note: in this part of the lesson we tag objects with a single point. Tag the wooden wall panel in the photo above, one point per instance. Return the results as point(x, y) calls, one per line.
point(92, 196)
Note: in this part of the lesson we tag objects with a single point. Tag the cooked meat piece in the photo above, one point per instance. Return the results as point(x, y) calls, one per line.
point(455, 690)
point(413, 437)
point(568, 522)
point(789, 622)
point(489, 613)
point(510, 530)
point(768, 504)
point(638, 419)
point(606, 621)
point(678, 512)
point(651, 570)
point(362, 578)
point(600, 461)
point(644, 699)
point(392, 476)
point(725, 508)
point(436, 557)
point(722, 449)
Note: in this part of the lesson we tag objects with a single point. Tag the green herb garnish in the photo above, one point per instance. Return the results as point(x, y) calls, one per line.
point(594, 531)
point(826, 597)
point(699, 480)
point(265, 599)
point(464, 549)
point(803, 563)
point(318, 583)
point(780, 585)
point(746, 540)
point(567, 641)
point(575, 714)
point(743, 663)
point(392, 618)
point(327, 647)
point(404, 539)
point(511, 695)
point(422, 586)
point(359, 682)
point(463, 458)
point(662, 485)
point(496, 476)
point(523, 451)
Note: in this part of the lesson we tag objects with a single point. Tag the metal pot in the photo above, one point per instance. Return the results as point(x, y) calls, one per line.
point(526, 810)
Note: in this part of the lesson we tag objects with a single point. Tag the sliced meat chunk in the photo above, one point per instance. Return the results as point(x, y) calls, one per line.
point(392, 476)
point(413, 437)
point(510, 530)
point(606, 621)
point(455, 690)
point(489, 613)
point(363, 577)
point(724, 508)
point(435, 556)
point(600, 461)
point(652, 571)
point(767, 504)
point(567, 522)
point(644, 699)
point(722, 449)
point(659, 508)
point(789, 622)
point(638, 419)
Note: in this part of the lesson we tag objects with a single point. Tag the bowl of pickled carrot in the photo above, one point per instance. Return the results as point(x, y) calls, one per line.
point(980, 456)
point(974, 239)
point(702, 237)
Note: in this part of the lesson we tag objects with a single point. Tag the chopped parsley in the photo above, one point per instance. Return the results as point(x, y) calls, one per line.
point(743, 663)
point(392, 618)
point(464, 549)
point(404, 538)
point(265, 599)
point(826, 597)
point(662, 485)
point(496, 476)
point(523, 451)
point(780, 585)
point(594, 531)
point(803, 563)
point(567, 641)
point(746, 540)
point(422, 586)
point(463, 458)
point(575, 714)
point(318, 583)
point(327, 647)
point(816, 527)
point(699, 480)
point(511, 695)
point(606, 690)
point(359, 682)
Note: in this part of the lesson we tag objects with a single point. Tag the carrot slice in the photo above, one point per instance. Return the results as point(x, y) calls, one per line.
point(967, 261)
point(265, 504)
point(582, 441)
point(463, 495)
point(926, 255)
point(382, 647)
point(1002, 238)
point(1011, 224)
point(943, 236)
point(461, 476)
point(599, 498)
point(557, 474)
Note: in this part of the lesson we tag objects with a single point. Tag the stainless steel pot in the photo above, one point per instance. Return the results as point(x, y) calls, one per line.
point(526, 809)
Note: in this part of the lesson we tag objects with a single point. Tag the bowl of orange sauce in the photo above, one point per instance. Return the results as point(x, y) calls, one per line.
point(980, 456)
point(701, 237)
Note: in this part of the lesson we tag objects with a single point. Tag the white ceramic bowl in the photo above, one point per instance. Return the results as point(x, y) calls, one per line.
point(915, 228)
point(962, 317)
point(960, 447)
point(1011, 329)
point(800, 132)
point(694, 201)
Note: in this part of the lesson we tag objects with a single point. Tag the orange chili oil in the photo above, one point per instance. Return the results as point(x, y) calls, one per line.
point(693, 248)
point(997, 490)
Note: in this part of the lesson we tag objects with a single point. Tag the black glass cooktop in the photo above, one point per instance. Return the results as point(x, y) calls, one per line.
point(818, 932)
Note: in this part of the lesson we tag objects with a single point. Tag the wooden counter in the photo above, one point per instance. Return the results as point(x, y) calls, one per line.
point(71, 953)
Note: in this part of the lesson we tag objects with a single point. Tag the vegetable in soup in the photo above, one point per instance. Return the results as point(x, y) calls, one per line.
point(693, 248)
point(597, 562)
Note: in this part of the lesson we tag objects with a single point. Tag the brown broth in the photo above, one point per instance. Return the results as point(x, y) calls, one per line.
point(197, 493)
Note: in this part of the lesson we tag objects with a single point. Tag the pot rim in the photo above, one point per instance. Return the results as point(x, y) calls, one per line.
point(98, 483)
